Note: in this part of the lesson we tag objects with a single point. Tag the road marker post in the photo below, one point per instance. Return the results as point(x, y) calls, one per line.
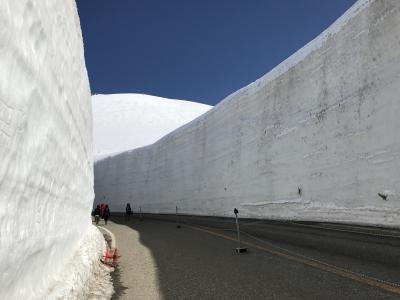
point(178, 225)
point(239, 249)
point(140, 213)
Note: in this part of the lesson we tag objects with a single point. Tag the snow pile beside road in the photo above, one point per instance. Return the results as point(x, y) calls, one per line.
point(46, 165)
point(85, 277)
point(124, 122)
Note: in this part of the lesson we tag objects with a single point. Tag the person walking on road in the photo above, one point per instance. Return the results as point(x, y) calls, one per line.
point(128, 211)
point(96, 214)
point(102, 208)
point(106, 213)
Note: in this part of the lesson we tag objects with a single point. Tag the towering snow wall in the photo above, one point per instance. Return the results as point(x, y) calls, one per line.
point(317, 138)
point(46, 176)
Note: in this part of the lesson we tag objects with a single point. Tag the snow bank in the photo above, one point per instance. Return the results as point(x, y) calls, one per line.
point(84, 276)
point(124, 122)
point(46, 176)
point(314, 139)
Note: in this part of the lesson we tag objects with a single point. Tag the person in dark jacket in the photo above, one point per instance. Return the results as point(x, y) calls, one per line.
point(96, 213)
point(106, 214)
point(128, 211)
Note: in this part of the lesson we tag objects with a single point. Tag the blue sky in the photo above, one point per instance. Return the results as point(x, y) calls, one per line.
point(195, 50)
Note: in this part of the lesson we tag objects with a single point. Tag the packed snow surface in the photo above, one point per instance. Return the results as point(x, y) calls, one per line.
point(127, 121)
point(84, 276)
point(314, 139)
point(46, 168)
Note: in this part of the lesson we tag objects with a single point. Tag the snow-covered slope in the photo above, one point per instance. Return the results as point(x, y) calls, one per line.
point(127, 121)
point(46, 175)
point(314, 139)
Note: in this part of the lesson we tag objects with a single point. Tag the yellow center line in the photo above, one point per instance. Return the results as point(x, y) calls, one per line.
point(311, 263)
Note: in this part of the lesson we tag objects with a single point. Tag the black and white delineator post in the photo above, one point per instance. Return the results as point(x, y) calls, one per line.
point(140, 213)
point(239, 249)
point(178, 225)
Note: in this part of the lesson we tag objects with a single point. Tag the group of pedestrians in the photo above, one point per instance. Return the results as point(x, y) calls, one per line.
point(101, 211)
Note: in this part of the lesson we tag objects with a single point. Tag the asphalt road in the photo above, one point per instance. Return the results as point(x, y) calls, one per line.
point(284, 260)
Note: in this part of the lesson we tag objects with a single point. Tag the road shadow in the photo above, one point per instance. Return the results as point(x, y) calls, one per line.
point(195, 265)
point(119, 288)
point(191, 264)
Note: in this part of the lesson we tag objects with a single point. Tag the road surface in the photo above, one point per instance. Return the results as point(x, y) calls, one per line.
point(284, 260)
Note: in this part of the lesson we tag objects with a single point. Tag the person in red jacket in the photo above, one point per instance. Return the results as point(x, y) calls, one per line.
point(102, 209)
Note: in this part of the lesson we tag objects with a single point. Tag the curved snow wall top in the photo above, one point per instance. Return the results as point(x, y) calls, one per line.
point(46, 174)
point(315, 139)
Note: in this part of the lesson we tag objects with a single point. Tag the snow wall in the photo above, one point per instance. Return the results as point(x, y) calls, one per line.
point(317, 138)
point(46, 169)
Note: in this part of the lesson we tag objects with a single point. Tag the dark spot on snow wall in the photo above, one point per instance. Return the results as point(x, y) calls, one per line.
point(383, 196)
point(342, 107)
point(320, 115)
point(299, 191)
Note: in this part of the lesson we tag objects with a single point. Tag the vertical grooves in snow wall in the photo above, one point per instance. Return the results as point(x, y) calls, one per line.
point(46, 177)
point(314, 139)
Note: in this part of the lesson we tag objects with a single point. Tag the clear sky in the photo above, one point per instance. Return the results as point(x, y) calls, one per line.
point(197, 50)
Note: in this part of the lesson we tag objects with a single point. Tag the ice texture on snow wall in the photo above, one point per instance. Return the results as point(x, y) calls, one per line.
point(46, 176)
point(317, 138)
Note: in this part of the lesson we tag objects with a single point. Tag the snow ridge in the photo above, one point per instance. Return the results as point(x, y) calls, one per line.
point(125, 122)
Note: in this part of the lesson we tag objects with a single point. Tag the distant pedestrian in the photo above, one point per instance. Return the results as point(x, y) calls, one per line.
point(107, 213)
point(96, 213)
point(128, 210)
